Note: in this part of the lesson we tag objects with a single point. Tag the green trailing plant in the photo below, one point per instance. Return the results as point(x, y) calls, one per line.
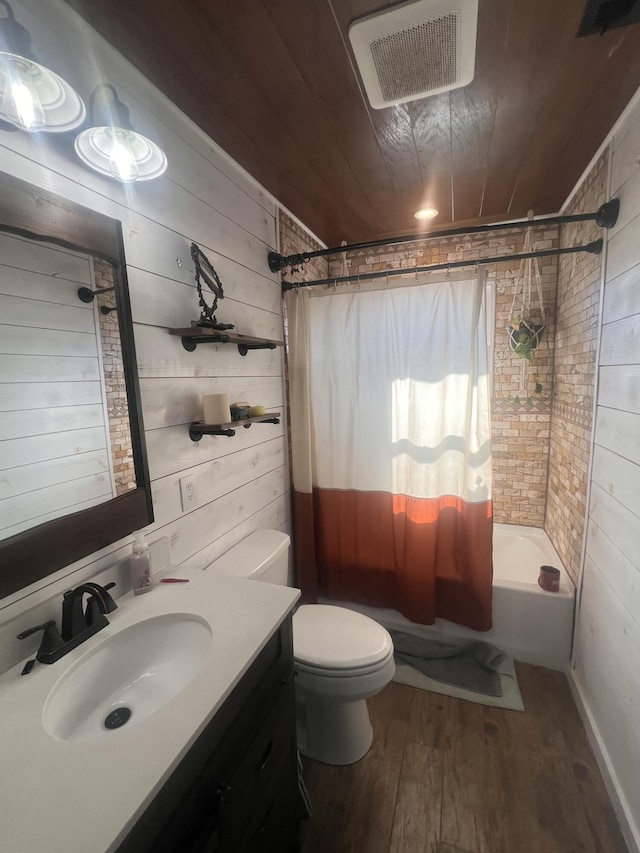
point(524, 336)
point(528, 401)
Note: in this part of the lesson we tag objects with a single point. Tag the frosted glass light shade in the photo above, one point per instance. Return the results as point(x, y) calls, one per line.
point(120, 153)
point(426, 213)
point(34, 98)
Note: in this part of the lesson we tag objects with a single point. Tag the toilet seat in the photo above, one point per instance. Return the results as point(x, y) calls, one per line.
point(335, 641)
point(343, 672)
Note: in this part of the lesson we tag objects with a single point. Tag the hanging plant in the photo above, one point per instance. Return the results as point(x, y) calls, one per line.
point(524, 336)
point(523, 332)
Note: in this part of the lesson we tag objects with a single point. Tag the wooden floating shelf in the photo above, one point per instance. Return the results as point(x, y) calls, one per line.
point(194, 335)
point(197, 429)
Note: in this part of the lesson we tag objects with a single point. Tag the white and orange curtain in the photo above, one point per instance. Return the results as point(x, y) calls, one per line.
point(390, 426)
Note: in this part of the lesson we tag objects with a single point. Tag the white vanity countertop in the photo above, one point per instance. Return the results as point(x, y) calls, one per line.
point(84, 796)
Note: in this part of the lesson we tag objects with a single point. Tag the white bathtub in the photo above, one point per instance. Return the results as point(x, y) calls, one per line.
point(532, 625)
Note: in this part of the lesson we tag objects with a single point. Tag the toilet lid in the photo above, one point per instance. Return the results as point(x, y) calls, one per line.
point(331, 637)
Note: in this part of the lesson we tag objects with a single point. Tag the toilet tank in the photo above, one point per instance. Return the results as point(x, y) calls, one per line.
point(262, 556)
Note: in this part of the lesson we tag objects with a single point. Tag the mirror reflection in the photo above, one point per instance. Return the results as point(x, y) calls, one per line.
point(65, 435)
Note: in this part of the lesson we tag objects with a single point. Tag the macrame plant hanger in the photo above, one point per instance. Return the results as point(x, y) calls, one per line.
point(523, 332)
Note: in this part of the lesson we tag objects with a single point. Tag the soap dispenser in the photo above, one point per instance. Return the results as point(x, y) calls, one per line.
point(140, 565)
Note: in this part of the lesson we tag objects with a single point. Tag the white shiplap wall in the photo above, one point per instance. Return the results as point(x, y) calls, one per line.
point(54, 431)
point(607, 638)
point(241, 482)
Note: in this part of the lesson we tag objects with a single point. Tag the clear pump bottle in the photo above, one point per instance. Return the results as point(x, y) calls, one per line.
point(140, 565)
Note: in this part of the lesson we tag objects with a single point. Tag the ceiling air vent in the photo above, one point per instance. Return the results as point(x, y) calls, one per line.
point(602, 15)
point(415, 50)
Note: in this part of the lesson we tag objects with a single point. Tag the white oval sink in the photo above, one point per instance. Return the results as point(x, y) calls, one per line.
point(127, 677)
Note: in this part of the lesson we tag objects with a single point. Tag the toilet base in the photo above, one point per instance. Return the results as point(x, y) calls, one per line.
point(332, 732)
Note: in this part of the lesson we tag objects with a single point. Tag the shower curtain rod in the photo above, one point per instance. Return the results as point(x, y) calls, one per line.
point(594, 248)
point(605, 216)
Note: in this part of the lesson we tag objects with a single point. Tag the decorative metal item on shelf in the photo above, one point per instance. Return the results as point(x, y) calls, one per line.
point(206, 272)
point(207, 330)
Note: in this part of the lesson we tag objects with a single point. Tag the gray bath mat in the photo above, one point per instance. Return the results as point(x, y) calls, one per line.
point(476, 671)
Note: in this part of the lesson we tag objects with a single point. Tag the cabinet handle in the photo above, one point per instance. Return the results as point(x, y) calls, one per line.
point(264, 758)
point(266, 819)
point(223, 792)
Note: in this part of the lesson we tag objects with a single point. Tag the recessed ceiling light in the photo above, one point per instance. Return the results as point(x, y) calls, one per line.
point(426, 213)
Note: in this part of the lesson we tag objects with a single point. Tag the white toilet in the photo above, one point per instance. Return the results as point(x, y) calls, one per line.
point(341, 657)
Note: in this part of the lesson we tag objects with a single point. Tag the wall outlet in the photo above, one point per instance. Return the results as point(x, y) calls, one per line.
point(188, 493)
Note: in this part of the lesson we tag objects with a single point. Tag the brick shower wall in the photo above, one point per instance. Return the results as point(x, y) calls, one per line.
point(520, 432)
point(116, 392)
point(578, 301)
point(293, 241)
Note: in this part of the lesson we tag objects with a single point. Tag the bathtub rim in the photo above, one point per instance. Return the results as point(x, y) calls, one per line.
point(567, 588)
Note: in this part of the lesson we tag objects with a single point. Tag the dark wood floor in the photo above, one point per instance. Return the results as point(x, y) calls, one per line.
point(448, 776)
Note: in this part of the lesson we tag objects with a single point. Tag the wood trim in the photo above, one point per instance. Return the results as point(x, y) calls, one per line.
point(28, 211)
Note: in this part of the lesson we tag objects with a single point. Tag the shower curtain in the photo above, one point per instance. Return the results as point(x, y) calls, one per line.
point(390, 429)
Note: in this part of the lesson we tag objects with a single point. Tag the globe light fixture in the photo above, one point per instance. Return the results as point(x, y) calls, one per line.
point(32, 97)
point(112, 147)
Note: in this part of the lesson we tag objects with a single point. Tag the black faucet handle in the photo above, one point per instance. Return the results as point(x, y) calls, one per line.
point(44, 627)
point(51, 639)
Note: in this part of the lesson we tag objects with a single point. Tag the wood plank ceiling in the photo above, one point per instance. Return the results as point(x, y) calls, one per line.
point(274, 83)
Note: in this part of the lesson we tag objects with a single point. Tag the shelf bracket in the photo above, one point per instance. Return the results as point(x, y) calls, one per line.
point(190, 343)
point(197, 429)
point(243, 349)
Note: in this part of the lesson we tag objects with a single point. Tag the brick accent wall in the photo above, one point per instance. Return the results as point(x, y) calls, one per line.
point(117, 406)
point(293, 241)
point(578, 301)
point(520, 430)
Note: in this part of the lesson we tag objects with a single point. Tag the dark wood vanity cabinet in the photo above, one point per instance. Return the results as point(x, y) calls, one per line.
point(236, 790)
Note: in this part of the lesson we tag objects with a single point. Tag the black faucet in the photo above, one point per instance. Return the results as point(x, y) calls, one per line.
point(78, 624)
point(75, 619)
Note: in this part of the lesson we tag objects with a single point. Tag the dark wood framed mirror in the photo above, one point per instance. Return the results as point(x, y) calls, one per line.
point(105, 495)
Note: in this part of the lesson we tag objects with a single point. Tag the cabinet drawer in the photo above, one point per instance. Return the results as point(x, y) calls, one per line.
point(278, 828)
point(270, 757)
